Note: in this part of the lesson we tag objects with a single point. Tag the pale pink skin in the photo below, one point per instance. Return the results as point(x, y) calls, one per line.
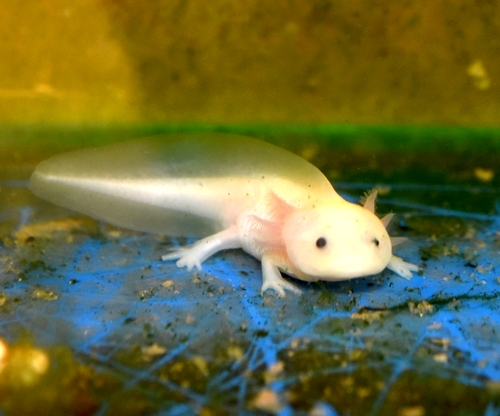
point(284, 239)
point(234, 192)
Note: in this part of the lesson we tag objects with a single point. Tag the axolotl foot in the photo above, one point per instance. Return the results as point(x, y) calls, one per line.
point(195, 254)
point(272, 279)
point(401, 267)
point(185, 256)
point(192, 256)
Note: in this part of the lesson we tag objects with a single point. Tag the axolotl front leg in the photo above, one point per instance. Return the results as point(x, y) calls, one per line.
point(195, 254)
point(272, 279)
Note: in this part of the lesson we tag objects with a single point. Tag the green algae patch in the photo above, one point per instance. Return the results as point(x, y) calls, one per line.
point(353, 383)
point(214, 377)
point(342, 380)
point(433, 395)
point(438, 250)
point(49, 381)
point(46, 382)
point(443, 226)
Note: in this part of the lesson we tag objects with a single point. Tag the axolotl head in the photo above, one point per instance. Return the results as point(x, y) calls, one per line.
point(336, 241)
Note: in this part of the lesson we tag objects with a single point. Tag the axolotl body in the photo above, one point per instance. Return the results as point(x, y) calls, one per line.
point(231, 192)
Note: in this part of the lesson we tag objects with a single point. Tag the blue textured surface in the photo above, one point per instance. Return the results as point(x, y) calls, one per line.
point(114, 299)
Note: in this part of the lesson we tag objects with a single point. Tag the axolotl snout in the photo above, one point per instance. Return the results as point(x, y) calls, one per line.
point(231, 192)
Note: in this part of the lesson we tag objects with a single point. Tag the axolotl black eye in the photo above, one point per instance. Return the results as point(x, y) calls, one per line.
point(321, 242)
point(376, 241)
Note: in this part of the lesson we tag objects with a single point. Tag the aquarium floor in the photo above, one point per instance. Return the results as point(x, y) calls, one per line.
point(207, 342)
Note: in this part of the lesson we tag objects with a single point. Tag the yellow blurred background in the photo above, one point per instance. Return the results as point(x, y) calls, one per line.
point(225, 61)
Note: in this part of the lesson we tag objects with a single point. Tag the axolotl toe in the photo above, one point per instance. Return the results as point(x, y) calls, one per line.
point(231, 192)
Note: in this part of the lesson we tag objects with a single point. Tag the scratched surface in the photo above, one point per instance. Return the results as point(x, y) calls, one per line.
point(184, 343)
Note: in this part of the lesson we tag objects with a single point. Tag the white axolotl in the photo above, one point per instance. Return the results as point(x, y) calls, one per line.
point(232, 192)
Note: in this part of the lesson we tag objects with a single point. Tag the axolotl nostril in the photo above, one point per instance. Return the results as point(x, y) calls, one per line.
point(231, 192)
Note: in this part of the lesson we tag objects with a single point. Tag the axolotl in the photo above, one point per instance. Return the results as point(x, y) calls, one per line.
point(231, 192)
